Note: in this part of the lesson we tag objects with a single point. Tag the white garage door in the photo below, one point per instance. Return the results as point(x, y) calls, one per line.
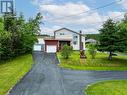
point(51, 48)
point(37, 48)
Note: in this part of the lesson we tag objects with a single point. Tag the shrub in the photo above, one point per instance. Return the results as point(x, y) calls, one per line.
point(92, 50)
point(66, 51)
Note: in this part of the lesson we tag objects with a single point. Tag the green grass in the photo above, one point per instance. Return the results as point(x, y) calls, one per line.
point(113, 87)
point(99, 63)
point(12, 71)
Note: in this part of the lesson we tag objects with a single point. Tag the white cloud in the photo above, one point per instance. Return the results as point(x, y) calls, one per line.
point(41, 2)
point(123, 3)
point(116, 15)
point(90, 31)
point(64, 10)
point(57, 13)
point(49, 30)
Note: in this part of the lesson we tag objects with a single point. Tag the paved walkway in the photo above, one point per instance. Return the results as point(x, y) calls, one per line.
point(46, 78)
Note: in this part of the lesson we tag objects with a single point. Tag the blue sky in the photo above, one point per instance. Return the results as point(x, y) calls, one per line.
point(26, 7)
point(55, 11)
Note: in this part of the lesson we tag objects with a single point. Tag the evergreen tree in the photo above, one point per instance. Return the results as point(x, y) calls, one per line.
point(110, 40)
point(123, 31)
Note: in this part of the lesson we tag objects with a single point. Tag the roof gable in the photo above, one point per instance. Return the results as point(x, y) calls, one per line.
point(67, 30)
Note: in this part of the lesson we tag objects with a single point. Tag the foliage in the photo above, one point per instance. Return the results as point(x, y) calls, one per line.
point(18, 36)
point(92, 50)
point(1, 24)
point(92, 36)
point(12, 71)
point(123, 31)
point(66, 51)
point(110, 39)
point(5, 48)
point(110, 87)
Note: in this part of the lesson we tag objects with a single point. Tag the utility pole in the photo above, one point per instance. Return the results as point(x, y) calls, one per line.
point(81, 46)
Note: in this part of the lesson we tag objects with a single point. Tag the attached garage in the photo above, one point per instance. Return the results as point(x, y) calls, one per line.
point(51, 46)
point(38, 47)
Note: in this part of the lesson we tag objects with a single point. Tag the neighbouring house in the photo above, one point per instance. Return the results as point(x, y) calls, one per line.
point(63, 37)
point(91, 41)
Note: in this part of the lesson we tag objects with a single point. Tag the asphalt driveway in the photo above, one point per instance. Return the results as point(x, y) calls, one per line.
point(43, 79)
point(75, 81)
point(46, 78)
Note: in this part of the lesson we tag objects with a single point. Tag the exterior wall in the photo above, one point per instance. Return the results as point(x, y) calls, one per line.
point(38, 44)
point(51, 42)
point(84, 41)
point(63, 34)
point(75, 46)
point(66, 34)
point(41, 41)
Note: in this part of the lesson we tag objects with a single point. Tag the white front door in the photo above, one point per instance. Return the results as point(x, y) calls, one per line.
point(51, 49)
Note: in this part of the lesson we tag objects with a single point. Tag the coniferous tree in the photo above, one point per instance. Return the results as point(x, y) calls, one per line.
point(109, 39)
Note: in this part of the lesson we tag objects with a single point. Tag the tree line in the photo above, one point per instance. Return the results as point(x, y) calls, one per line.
point(17, 36)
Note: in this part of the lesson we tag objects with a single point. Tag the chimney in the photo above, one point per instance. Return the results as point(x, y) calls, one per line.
point(80, 41)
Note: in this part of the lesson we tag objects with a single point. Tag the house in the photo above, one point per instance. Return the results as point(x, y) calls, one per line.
point(39, 46)
point(91, 41)
point(64, 36)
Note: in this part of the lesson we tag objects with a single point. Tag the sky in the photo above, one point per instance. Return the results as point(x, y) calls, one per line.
point(67, 13)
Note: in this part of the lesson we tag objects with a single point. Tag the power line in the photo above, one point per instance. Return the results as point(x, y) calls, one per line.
point(109, 17)
point(112, 3)
point(104, 21)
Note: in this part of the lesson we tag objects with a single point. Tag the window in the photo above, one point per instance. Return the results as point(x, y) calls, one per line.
point(74, 42)
point(75, 37)
point(61, 33)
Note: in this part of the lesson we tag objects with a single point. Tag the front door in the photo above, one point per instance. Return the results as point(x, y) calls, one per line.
point(62, 43)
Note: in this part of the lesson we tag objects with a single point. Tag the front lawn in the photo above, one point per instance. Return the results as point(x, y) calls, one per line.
point(99, 63)
point(12, 71)
point(114, 87)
